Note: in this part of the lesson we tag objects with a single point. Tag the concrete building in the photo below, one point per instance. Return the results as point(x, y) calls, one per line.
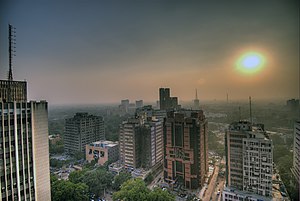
point(13, 91)
point(186, 148)
point(102, 151)
point(141, 142)
point(81, 130)
point(24, 148)
point(249, 158)
point(230, 194)
point(296, 156)
point(166, 102)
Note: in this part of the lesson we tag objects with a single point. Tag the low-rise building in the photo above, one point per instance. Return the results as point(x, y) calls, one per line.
point(102, 151)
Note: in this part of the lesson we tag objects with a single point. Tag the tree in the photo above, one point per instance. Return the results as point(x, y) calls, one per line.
point(97, 180)
point(76, 176)
point(136, 189)
point(159, 195)
point(133, 189)
point(120, 179)
point(68, 191)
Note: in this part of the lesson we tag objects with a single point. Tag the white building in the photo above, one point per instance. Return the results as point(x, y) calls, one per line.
point(249, 158)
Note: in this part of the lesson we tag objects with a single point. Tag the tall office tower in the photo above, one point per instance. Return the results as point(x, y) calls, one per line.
point(24, 151)
point(165, 101)
point(249, 159)
point(196, 102)
point(140, 142)
point(296, 158)
point(186, 148)
point(127, 141)
point(81, 130)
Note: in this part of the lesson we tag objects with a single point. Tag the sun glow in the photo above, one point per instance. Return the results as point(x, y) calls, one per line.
point(250, 63)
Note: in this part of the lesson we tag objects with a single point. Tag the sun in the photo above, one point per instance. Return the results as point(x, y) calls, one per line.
point(250, 63)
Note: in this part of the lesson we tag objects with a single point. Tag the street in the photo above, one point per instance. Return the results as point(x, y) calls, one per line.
point(211, 186)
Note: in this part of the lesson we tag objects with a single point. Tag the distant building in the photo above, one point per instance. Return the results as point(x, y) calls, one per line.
point(139, 103)
point(296, 157)
point(186, 148)
point(81, 130)
point(293, 104)
point(141, 142)
point(124, 105)
point(165, 101)
point(249, 159)
point(102, 151)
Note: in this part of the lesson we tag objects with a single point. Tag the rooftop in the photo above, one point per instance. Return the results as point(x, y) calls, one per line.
point(103, 143)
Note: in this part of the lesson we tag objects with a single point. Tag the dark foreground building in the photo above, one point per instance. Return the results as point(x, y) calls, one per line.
point(185, 148)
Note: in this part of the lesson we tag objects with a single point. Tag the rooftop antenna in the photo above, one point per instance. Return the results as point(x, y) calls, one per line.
point(227, 97)
point(250, 109)
point(11, 48)
point(196, 95)
point(240, 113)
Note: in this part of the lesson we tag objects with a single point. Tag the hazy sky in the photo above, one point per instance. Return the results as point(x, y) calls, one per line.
point(105, 51)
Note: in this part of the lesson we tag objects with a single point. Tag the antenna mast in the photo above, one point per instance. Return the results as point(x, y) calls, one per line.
point(250, 109)
point(11, 48)
point(196, 95)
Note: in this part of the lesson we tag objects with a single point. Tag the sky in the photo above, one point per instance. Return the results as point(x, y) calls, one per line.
point(87, 52)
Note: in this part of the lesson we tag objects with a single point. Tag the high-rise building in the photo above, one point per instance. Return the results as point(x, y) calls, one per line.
point(140, 142)
point(186, 148)
point(127, 142)
point(165, 101)
point(296, 157)
point(81, 130)
point(24, 148)
point(24, 151)
point(249, 159)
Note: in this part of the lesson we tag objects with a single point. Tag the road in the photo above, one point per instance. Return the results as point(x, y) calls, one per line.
point(211, 186)
point(220, 186)
point(155, 180)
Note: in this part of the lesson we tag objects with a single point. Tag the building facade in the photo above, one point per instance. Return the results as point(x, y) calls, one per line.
point(249, 158)
point(102, 151)
point(81, 130)
point(24, 148)
point(186, 148)
point(141, 142)
point(296, 156)
point(13, 91)
point(236, 195)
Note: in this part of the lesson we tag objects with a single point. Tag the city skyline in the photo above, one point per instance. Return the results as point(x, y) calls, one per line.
point(100, 52)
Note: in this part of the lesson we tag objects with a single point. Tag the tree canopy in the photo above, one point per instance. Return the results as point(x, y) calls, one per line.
point(136, 189)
